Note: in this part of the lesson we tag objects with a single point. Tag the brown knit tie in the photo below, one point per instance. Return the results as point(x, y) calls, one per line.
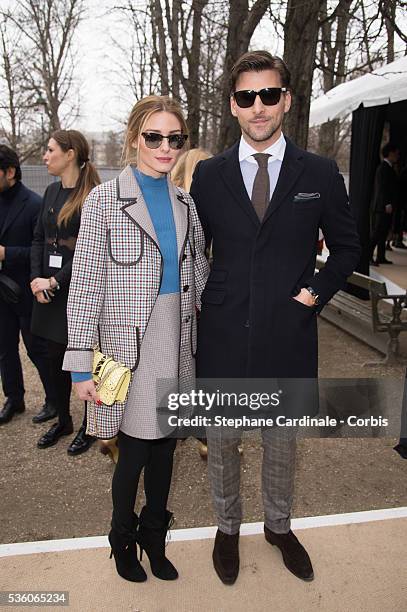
point(261, 185)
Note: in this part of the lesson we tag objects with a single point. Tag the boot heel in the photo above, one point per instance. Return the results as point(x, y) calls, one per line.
point(111, 554)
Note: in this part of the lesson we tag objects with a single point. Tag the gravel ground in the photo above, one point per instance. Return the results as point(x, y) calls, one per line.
point(45, 494)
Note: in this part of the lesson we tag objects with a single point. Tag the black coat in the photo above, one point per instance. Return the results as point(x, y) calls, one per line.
point(17, 235)
point(385, 189)
point(50, 320)
point(250, 325)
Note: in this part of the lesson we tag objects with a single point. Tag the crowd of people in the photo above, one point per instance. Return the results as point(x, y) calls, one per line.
point(124, 266)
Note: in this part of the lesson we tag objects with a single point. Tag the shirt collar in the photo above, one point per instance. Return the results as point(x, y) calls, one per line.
point(276, 150)
point(388, 162)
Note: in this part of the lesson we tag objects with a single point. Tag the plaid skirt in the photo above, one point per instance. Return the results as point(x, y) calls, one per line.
point(159, 362)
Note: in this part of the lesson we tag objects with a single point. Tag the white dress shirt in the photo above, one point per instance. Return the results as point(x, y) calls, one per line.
point(249, 166)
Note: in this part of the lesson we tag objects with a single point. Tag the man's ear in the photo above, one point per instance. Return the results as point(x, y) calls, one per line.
point(11, 173)
point(233, 106)
point(287, 101)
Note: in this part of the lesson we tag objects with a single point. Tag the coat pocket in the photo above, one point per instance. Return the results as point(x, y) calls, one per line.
point(122, 342)
point(213, 296)
point(125, 250)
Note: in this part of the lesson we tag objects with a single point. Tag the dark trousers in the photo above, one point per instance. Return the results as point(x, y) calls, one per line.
point(11, 325)
point(156, 457)
point(381, 228)
point(61, 382)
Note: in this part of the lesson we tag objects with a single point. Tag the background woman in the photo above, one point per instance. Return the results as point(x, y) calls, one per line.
point(67, 157)
point(139, 270)
point(183, 170)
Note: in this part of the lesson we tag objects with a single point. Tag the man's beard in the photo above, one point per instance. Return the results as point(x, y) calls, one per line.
point(272, 129)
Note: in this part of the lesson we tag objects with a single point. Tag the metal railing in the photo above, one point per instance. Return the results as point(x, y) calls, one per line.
point(37, 178)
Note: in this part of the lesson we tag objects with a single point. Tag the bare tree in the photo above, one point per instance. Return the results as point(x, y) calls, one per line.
point(18, 107)
point(300, 44)
point(48, 29)
point(333, 64)
point(241, 25)
point(160, 48)
point(136, 66)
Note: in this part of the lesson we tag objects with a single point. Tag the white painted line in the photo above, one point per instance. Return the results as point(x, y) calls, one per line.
point(204, 533)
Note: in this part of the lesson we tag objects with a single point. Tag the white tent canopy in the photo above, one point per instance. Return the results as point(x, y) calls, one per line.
point(387, 84)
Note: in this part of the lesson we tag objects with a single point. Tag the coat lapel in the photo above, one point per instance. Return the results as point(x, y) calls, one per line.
point(229, 169)
point(291, 169)
point(180, 210)
point(135, 207)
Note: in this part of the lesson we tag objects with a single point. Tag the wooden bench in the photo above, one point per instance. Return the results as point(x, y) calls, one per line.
point(368, 320)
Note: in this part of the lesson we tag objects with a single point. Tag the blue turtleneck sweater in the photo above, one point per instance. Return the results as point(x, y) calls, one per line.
point(157, 199)
point(158, 202)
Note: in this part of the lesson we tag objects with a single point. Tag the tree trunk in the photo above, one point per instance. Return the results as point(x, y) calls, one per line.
point(241, 26)
point(300, 33)
point(390, 10)
point(160, 50)
point(332, 60)
point(192, 84)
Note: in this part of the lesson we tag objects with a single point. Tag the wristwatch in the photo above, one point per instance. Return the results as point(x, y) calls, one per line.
point(53, 287)
point(314, 295)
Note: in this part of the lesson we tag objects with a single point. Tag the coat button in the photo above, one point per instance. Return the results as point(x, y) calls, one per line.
point(187, 319)
point(184, 257)
point(186, 287)
point(246, 323)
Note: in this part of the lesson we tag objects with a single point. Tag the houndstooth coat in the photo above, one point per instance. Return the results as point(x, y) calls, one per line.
point(116, 278)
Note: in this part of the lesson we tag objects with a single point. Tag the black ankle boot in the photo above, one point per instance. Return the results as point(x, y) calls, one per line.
point(151, 538)
point(124, 549)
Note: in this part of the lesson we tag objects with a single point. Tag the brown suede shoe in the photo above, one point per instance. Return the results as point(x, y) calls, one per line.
point(295, 557)
point(226, 556)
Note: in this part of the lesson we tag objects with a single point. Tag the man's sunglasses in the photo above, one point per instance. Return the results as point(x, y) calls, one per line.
point(270, 96)
point(154, 140)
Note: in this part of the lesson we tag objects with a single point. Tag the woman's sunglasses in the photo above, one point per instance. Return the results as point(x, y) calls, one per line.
point(154, 140)
point(270, 96)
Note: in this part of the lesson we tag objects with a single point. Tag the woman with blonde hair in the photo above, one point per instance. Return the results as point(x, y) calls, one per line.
point(66, 157)
point(183, 170)
point(138, 274)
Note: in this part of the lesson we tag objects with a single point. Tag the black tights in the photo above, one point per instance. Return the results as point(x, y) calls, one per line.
point(156, 457)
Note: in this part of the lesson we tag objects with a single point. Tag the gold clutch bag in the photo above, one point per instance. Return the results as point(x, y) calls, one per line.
point(111, 377)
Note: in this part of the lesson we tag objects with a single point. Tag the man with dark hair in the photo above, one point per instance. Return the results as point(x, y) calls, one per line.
point(385, 201)
point(261, 204)
point(19, 209)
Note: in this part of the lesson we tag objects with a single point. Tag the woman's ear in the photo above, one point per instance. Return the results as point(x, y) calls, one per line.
point(70, 154)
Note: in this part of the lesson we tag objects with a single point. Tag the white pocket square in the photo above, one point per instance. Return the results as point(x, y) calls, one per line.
point(301, 197)
point(307, 196)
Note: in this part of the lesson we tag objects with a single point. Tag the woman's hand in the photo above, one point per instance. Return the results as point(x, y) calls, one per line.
point(86, 391)
point(39, 284)
point(40, 297)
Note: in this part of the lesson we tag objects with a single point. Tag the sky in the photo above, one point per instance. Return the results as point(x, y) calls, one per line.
point(104, 100)
point(104, 105)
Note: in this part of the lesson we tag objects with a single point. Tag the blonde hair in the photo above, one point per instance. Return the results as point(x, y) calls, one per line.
point(140, 114)
point(181, 174)
point(88, 175)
